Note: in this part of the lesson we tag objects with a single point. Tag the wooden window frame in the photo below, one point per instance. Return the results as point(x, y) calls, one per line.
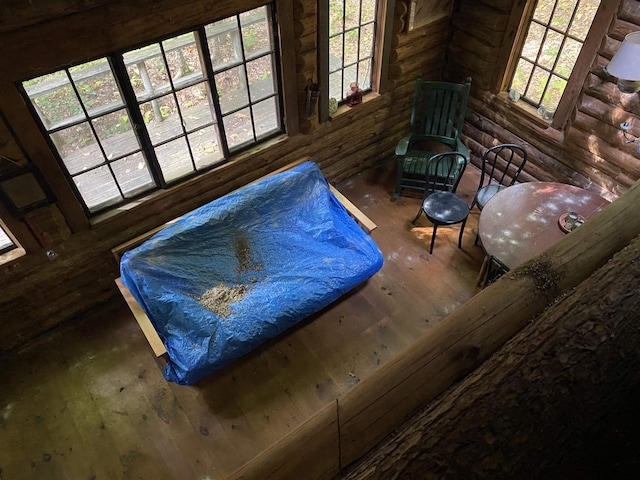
point(381, 51)
point(12, 253)
point(521, 17)
point(285, 91)
point(4, 232)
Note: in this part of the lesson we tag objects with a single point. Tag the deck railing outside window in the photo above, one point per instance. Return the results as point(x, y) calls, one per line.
point(132, 122)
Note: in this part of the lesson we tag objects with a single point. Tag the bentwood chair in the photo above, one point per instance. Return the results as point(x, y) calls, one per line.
point(437, 117)
point(501, 166)
point(440, 204)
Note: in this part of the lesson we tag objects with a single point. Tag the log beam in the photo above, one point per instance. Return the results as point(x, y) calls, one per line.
point(537, 398)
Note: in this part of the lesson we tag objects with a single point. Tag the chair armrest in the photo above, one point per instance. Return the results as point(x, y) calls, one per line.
point(462, 148)
point(403, 146)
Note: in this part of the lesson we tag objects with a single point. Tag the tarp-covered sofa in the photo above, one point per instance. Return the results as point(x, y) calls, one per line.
point(233, 273)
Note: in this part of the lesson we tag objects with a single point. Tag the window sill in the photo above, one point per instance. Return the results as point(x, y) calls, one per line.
point(12, 255)
point(190, 184)
point(522, 114)
point(344, 109)
point(523, 109)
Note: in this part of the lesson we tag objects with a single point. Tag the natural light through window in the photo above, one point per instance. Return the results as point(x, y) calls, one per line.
point(553, 42)
point(127, 124)
point(352, 28)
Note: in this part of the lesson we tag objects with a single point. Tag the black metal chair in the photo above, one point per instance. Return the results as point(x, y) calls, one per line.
point(501, 166)
point(440, 204)
point(508, 160)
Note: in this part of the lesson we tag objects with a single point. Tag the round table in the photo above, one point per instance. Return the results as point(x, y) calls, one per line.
point(521, 221)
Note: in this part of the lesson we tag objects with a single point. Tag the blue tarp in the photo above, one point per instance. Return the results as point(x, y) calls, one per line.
point(285, 246)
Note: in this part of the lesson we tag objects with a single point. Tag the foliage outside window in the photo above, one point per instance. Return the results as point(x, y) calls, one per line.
point(133, 122)
point(554, 39)
point(352, 36)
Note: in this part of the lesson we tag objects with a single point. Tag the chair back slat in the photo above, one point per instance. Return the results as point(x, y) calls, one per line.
point(439, 109)
point(498, 163)
point(444, 172)
point(437, 117)
point(501, 161)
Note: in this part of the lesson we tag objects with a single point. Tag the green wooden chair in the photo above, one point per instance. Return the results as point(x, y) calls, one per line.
point(437, 117)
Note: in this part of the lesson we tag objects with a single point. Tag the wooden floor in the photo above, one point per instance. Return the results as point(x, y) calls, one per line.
point(89, 401)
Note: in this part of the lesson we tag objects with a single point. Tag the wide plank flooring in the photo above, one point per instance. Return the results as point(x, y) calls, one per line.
point(88, 399)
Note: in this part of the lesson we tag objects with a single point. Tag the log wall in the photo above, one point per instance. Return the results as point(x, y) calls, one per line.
point(38, 293)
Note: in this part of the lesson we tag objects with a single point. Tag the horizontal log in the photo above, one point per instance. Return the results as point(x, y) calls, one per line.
point(26, 14)
point(542, 167)
point(409, 50)
point(305, 25)
point(472, 61)
point(458, 70)
point(122, 24)
point(605, 135)
point(401, 8)
point(417, 36)
point(551, 148)
point(516, 414)
point(605, 117)
point(482, 33)
point(306, 43)
point(303, 9)
point(417, 63)
point(630, 12)
point(483, 17)
point(487, 52)
point(318, 434)
point(582, 144)
point(477, 149)
point(621, 28)
point(607, 92)
point(500, 5)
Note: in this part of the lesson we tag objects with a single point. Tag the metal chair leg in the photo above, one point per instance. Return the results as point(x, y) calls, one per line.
point(461, 232)
point(433, 238)
point(417, 216)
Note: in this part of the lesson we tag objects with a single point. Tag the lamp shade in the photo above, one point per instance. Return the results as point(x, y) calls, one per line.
point(625, 64)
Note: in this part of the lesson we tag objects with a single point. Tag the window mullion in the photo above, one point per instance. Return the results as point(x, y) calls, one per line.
point(139, 128)
point(201, 37)
point(179, 108)
point(246, 79)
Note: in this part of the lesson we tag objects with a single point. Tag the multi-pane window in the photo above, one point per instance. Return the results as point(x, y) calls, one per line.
point(556, 33)
point(352, 30)
point(6, 244)
point(136, 121)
